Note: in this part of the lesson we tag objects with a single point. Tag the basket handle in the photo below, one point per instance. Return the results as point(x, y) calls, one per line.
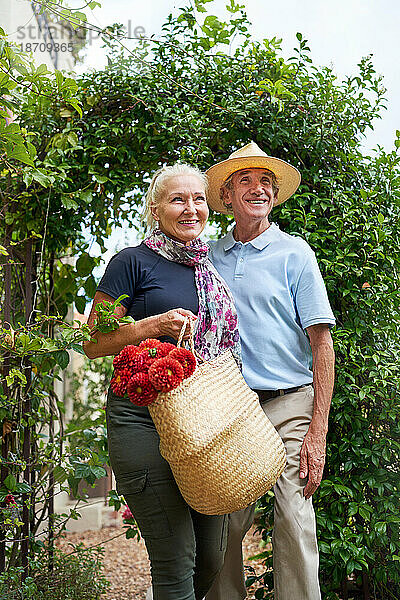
point(191, 338)
point(198, 356)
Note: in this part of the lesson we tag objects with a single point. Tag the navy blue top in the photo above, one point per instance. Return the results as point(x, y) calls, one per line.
point(153, 283)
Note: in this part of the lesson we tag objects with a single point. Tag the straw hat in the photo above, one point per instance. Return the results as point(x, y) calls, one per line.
point(251, 156)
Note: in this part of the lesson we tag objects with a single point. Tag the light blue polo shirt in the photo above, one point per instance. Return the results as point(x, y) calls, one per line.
point(278, 290)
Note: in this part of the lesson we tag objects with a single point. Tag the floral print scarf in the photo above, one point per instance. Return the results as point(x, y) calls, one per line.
point(217, 324)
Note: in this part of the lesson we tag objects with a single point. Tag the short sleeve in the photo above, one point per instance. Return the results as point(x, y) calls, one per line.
point(119, 278)
point(311, 298)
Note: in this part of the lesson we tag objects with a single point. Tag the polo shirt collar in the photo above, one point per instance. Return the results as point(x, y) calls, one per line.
point(229, 241)
point(260, 242)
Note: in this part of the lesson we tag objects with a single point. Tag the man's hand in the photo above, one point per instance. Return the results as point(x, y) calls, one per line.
point(312, 461)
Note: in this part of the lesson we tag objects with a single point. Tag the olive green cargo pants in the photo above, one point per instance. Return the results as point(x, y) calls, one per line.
point(186, 549)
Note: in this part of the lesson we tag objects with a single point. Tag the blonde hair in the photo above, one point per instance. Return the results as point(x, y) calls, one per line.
point(159, 182)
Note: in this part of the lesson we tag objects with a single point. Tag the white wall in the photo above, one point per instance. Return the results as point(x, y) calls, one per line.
point(49, 46)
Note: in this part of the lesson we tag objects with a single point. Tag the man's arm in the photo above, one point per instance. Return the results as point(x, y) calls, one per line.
point(312, 455)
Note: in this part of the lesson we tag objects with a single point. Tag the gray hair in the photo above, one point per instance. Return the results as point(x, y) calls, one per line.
point(228, 185)
point(159, 182)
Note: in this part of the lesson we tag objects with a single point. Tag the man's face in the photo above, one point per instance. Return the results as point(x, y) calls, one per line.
point(251, 195)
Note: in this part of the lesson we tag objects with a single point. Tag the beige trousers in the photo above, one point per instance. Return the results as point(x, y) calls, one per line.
point(295, 551)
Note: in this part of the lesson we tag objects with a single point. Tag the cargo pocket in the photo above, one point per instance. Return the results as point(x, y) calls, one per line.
point(132, 483)
point(224, 534)
point(145, 504)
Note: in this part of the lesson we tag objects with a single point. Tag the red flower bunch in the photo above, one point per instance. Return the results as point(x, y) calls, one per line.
point(127, 514)
point(165, 349)
point(10, 500)
point(166, 374)
point(149, 343)
point(142, 371)
point(126, 357)
point(140, 390)
point(120, 381)
point(186, 359)
point(143, 360)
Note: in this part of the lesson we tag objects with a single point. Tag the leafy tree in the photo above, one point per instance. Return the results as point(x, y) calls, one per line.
point(18, 75)
point(183, 97)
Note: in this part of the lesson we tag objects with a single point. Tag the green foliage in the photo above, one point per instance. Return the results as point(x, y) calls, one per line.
point(88, 427)
point(74, 576)
point(69, 457)
point(106, 320)
point(19, 75)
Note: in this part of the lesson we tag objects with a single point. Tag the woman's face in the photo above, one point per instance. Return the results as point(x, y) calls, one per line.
point(182, 211)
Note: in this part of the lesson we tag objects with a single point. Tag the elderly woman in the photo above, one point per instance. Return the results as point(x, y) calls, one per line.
point(167, 278)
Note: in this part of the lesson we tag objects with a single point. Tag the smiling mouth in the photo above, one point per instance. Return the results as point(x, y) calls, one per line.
point(188, 222)
point(258, 201)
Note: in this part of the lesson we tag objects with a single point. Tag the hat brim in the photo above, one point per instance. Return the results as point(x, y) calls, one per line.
point(288, 177)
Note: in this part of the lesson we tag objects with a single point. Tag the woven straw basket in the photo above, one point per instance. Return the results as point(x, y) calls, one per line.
point(222, 449)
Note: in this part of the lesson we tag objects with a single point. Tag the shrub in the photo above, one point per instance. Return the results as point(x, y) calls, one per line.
point(74, 576)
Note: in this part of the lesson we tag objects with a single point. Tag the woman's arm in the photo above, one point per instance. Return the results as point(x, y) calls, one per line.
point(169, 323)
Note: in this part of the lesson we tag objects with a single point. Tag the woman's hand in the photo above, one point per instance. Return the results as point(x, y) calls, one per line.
point(170, 323)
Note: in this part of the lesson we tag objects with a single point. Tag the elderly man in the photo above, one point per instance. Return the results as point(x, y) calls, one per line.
point(284, 321)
